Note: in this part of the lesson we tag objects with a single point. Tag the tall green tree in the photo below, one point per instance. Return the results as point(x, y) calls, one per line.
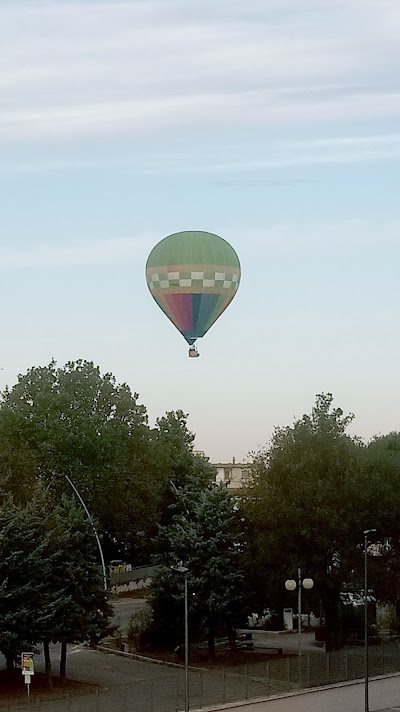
point(205, 534)
point(381, 498)
point(305, 508)
point(25, 569)
point(77, 422)
point(51, 588)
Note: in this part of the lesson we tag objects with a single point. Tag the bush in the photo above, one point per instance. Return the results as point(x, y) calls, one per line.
point(139, 623)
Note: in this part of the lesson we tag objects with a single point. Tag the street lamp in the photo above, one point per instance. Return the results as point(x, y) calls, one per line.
point(103, 566)
point(290, 585)
point(366, 532)
point(181, 569)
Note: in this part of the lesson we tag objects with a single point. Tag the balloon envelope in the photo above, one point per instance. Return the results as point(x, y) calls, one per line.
point(193, 276)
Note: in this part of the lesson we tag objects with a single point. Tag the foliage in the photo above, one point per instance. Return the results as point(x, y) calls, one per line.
point(205, 534)
point(381, 497)
point(303, 506)
point(139, 623)
point(77, 422)
point(51, 588)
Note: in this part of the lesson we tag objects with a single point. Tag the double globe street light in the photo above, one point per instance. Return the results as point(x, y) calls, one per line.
point(290, 585)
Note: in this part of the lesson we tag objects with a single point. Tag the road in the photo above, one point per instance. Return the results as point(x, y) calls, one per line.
point(127, 685)
point(384, 697)
point(124, 608)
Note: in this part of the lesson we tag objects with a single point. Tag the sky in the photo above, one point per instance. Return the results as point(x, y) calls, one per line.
point(273, 123)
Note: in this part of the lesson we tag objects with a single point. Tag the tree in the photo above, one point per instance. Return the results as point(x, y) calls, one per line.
point(205, 534)
point(77, 422)
point(381, 497)
point(24, 572)
point(304, 506)
point(51, 587)
point(74, 421)
point(77, 605)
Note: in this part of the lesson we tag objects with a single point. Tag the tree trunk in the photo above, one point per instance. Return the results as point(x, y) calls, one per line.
point(211, 643)
point(232, 640)
point(47, 663)
point(10, 658)
point(63, 663)
point(333, 630)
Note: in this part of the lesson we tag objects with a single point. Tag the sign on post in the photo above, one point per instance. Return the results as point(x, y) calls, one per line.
point(27, 668)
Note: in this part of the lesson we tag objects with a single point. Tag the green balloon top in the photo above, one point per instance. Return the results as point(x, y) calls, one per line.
point(193, 248)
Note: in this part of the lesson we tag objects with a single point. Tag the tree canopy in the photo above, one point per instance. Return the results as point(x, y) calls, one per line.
point(74, 421)
point(205, 535)
point(51, 588)
point(304, 505)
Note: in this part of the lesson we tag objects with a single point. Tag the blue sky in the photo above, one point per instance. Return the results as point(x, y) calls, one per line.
point(274, 123)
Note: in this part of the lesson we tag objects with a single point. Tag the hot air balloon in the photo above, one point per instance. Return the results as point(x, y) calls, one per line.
point(193, 276)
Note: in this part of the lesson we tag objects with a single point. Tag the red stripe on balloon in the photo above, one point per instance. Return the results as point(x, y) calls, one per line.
point(179, 310)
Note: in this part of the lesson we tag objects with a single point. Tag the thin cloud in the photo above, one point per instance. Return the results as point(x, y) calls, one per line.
point(235, 163)
point(78, 254)
point(227, 163)
point(281, 238)
point(195, 112)
point(76, 70)
point(319, 237)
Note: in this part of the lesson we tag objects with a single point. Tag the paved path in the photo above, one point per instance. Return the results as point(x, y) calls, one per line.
point(124, 608)
point(136, 686)
point(384, 695)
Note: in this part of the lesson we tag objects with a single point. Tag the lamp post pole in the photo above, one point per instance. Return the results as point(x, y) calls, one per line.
point(180, 568)
point(299, 611)
point(103, 566)
point(186, 644)
point(290, 585)
point(366, 661)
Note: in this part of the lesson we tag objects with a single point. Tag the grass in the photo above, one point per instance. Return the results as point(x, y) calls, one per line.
point(13, 687)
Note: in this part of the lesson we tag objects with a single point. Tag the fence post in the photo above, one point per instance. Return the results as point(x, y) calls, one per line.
point(328, 666)
point(308, 670)
point(224, 698)
point(151, 695)
point(346, 665)
point(246, 680)
point(383, 657)
point(288, 669)
point(267, 674)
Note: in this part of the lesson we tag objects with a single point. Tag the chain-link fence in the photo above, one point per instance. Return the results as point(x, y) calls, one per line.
point(212, 687)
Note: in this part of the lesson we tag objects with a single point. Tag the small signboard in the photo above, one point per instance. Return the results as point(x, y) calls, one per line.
point(27, 664)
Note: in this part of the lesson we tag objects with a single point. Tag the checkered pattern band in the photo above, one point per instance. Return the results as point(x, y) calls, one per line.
point(164, 280)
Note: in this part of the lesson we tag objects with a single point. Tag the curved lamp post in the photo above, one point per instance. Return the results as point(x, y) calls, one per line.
point(94, 530)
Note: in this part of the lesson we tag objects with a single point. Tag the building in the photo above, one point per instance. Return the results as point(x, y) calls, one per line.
point(233, 474)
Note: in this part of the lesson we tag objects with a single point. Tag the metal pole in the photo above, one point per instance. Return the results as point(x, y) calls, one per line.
point(186, 645)
point(366, 619)
point(94, 530)
point(299, 612)
point(299, 621)
point(366, 532)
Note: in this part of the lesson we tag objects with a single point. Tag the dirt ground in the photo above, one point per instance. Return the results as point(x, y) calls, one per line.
point(12, 686)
